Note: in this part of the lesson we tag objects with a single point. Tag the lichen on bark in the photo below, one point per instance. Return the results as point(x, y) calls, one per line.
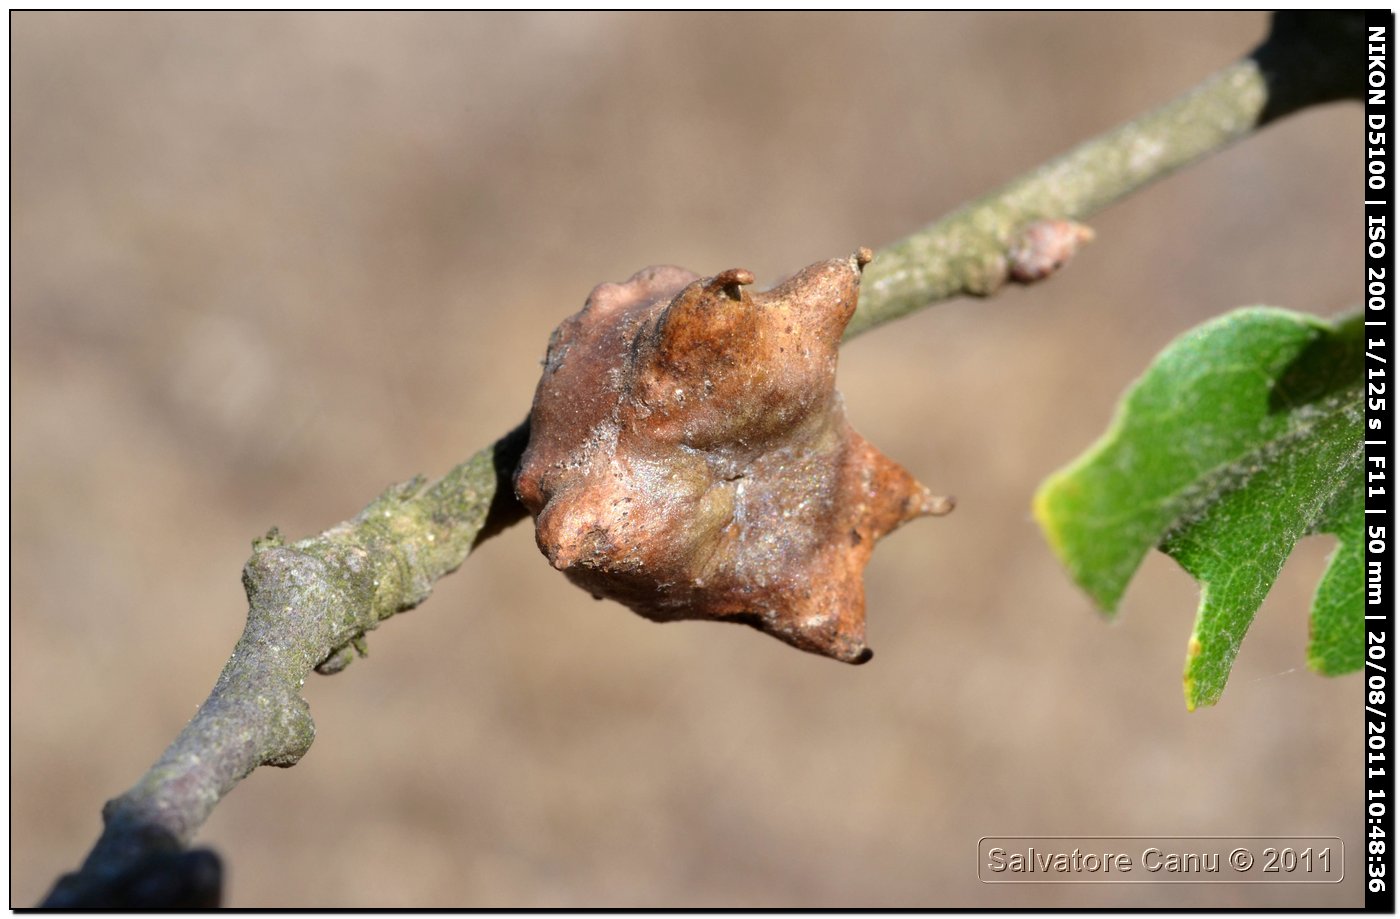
point(310, 604)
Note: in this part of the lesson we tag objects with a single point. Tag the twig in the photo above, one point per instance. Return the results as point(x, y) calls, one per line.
point(309, 606)
point(311, 602)
point(1305, 61)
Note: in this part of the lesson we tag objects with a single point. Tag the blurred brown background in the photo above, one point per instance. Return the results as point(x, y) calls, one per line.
point(265, 265)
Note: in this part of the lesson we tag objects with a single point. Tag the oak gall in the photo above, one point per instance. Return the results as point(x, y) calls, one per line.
point(690, 457)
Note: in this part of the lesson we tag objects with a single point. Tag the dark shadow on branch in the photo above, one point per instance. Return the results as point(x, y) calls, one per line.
point(505, 510)
point(1311, 57)
point(163, 876)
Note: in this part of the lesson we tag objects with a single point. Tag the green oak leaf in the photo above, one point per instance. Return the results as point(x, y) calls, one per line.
point(1244, 435)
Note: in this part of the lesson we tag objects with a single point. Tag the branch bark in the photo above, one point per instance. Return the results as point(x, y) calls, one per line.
point(1308, 58)
point(311, 602)
point(309, 605)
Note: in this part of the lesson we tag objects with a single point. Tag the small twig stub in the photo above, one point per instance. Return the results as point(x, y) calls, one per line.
point(1042, 247)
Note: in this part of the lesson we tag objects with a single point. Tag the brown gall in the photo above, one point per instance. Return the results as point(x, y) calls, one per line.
point(690, 457)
